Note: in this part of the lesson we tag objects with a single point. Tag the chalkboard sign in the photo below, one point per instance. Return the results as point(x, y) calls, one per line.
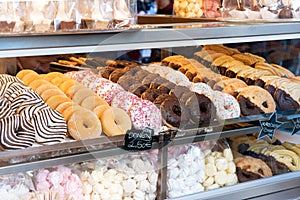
point(296, 127)
point(139, 139)
point(268, 127)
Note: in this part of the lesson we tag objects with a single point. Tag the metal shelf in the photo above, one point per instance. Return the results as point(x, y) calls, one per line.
point(166, 36)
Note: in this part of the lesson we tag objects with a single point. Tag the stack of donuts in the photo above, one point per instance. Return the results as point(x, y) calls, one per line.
point(25, 118)
point(254, 70)
point(179, 106)
point(80, 107)
point(142, 113)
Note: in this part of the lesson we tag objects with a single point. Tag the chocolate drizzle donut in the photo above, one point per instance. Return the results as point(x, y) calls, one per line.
point(16, 132)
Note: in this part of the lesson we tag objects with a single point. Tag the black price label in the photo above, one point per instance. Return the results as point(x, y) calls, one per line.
point(139, 139)
point(269, 126)
point(296, 126)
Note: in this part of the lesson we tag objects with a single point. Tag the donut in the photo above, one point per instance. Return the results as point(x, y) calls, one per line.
point(202, 109)
point(89, 78)
point(99, 111)
point(149, 78)
point(67, 113)
point(151, 94)
point(178, 91)
point(52, 75)
point(178, 78)
point(108, 91)
point(55, 100)
point(115, 121)
point(24, 98)
point(50, 126)
point(63, 106)
point(9, 88)
point(73, 89)
point(144, 113)
point(29, 77)
point(81, 94)
point(137, 89)
point(36, 83)
point(51, 92)
point(174, 114)
point(124, 100)
point(64, 86)
point(141, 74)
point(24, 72)
point(106, 71)
point(157, 82)
point(202, 88)
point(226, 106)
point(16, 132)
point(116, 74)
point(98, 82)
point(57, 81)
point(127, 80)
point(161, 98)
point(84, 124)
point(93, 101)
point(40, 89)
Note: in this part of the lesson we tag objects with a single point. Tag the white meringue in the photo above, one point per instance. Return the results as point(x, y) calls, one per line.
point(129, 186)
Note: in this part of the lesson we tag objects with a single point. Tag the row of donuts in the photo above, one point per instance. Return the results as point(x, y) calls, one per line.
point(253, 70)
point(259, 99)
point(85, 113)
point(178, 105)
point(257, 159)
point(142, 113)
point(25, 119)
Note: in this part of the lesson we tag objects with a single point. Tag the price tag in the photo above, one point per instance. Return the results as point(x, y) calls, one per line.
point(139, 139)
point(268, 127)
point(296, 128)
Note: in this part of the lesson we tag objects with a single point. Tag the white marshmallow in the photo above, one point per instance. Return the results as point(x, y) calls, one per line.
point(221, 163)
point(129, 186)
point(231, 179)
point(190, 181)
point(173, 173)
point(105, 194)
point(152, 177)
point(228, 154)
point(138, 195)
point(172, 163)
point(210, 159)
point(209, 181)
point(213, 186)
point(210, 169)
point(144, 186)
point(221, 178)
point(86, 188)
point(231, 167)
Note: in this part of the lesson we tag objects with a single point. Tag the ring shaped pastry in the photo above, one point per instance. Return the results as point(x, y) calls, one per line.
point(84, 124)
point(92, 102)
point(55, 100)
point(115, 121)
point(51, 92)
point(36, 83)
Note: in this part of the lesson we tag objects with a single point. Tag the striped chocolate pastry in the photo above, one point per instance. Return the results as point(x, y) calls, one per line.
point(50, 126)
point(8, 88)
point(25, 98)
point(16, 132)
point(31, 109)
point(5, 108)
point(5, 78)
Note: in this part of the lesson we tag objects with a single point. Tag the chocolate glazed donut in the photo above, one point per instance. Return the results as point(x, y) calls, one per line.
point(151, 94)
point(202, 109)
point(173, 113)
point(137, 89)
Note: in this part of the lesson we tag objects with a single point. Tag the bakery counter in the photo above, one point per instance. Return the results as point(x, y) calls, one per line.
point(144, 37)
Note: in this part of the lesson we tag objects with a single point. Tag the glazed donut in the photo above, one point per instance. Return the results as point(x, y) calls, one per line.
point(16, 132)
point(36, 83)
point(92, 102)
point(55, 100)
point(202, 109)
point(127, 80)
point(82, 94)
point(67, 113)
point(84, 124)
point(24, 72)
point(178, 91)
point(115, 121)
point(157, 82)
point(99, 111)
point(161, 98)
point(63, 106)
point(50, 126)
point(29, 77)
point(40, 89)
point(202, 88)
point(178, 78)
point(149, 78)
point(116, 74)
point(64, 86)
point(57, 80)
point(173, 114)
point(73, 89)
point(51, 92)
point(226, 106)
point(106, 71)
point(52, 75)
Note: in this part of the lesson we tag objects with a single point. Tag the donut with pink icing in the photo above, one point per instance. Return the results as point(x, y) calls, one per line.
point(226, 105)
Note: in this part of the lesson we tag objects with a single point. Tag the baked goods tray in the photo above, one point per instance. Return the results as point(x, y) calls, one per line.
point(76, 151)
point(169, 19)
